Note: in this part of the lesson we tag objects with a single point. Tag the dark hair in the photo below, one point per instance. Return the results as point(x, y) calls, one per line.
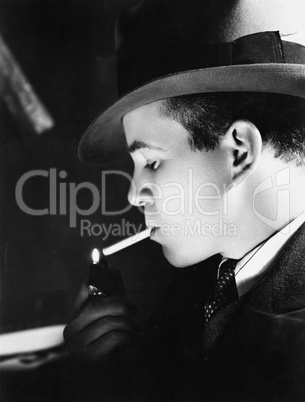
point(207, 117)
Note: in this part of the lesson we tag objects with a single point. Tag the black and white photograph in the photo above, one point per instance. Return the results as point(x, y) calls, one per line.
point(152, 200)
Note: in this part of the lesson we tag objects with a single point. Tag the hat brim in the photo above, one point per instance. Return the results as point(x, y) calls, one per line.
point(104, 141)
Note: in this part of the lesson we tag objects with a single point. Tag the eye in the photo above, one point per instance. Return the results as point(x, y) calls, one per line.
point(152, 165)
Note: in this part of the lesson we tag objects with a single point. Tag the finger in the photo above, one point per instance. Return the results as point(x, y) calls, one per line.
point(101, 307)
point(98, 350)
point(98, 329)
point(109, 306)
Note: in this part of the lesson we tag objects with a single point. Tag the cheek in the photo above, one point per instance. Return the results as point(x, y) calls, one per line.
point(191, 196)
point(174, 199)
point(171, 192)
point(196, 188)
point(210, 189)
point(208, 199)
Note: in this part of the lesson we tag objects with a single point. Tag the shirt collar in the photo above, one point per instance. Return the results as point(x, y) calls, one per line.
point(255, 264)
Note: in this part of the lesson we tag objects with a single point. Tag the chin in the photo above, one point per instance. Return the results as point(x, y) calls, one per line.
point(179, 260)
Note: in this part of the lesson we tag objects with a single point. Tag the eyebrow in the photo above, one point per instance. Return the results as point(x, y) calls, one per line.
point(140, 144)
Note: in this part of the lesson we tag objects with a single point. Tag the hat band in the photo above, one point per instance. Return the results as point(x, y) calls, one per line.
point(146, 63)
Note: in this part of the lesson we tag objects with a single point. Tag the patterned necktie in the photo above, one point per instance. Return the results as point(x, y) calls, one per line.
point(225, 290)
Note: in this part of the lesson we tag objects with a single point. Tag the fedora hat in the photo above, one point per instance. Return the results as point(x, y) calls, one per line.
point(180, 47)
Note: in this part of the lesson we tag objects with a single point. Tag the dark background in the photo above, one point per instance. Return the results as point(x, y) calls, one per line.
point(66, 51)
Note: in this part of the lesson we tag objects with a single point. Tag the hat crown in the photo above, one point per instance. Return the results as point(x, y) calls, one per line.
point(213, 21)
point(170, 36)
point(171, 48)
point(245, 17)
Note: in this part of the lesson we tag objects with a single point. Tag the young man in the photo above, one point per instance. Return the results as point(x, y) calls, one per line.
point(217, 143)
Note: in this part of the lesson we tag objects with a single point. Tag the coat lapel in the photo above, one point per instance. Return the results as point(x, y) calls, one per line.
point(279, 287)
point(218, 325)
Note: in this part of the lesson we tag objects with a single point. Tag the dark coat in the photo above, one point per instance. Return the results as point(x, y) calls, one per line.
point(253, 350)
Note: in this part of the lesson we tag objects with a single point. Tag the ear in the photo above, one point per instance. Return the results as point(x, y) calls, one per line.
point(243, 144)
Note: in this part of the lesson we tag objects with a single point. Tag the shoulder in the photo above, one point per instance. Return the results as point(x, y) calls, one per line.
point(261, 353)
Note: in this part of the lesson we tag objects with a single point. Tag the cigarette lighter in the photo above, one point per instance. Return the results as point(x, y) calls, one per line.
point(102, 280)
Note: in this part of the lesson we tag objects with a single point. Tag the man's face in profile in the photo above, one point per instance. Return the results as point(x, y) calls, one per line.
point(182, 190)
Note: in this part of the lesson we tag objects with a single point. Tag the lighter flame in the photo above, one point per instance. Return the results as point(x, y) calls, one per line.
point(95, 256)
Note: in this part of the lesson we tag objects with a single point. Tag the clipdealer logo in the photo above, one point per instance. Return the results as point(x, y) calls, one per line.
point(64, 199)
point(63, 194)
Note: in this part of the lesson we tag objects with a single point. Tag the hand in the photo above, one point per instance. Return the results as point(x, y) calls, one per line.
point(103, 325)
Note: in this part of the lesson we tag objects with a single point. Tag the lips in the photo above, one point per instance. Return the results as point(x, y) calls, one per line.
point(154, 229)
point(153, 226)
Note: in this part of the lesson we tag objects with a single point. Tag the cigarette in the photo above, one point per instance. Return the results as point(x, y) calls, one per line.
point(126, 242)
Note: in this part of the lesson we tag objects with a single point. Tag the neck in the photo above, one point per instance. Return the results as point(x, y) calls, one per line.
point(268, 200)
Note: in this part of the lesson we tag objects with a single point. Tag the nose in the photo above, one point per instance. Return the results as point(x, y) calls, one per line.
point(140, 193)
